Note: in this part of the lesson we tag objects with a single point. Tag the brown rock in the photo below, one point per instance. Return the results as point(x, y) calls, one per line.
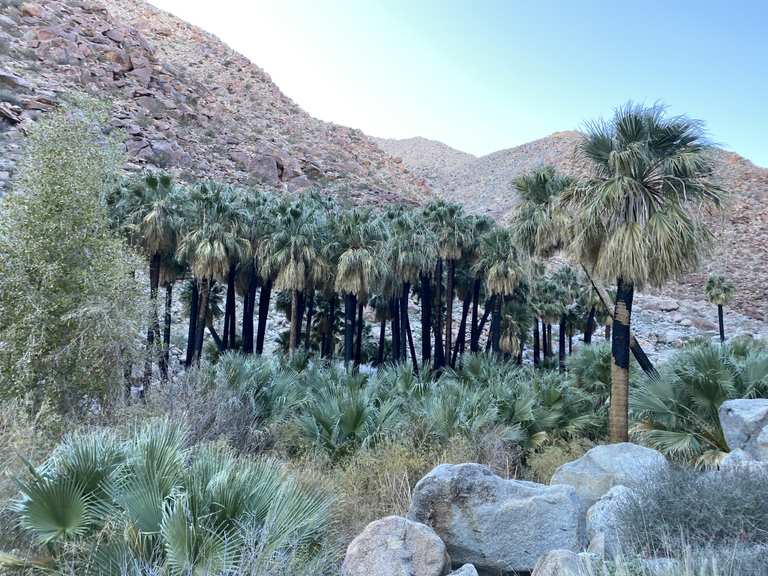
point(31, 9)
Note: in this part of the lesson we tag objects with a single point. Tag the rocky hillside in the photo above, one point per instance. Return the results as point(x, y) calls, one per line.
point(484, 185)
point(184, 100)
point(429, 159)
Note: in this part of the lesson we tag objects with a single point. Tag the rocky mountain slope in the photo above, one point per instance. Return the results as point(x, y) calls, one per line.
point(429, 159)
point(484, 186)
point(184, 100)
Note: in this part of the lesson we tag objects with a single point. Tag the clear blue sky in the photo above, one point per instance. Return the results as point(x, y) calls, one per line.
point(490, 74)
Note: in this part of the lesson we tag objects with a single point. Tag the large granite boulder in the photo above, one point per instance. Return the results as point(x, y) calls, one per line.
point(567, 563)
point(745, 426)
point(603, 522)
point(466, 570)
point(498, 525)
point(604, 467)
point(394, 546)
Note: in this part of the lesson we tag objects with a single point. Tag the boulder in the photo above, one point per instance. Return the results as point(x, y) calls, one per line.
point(745, 426)
point(394, 546)
point(566, 563)
point(466, 570)
point(609, 465)
point(496, 524)
point(603, 524)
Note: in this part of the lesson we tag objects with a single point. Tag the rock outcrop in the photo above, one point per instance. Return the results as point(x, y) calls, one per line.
point(497, 524)
point(609, 465)
point(565, 563)
point(182, 100)
point(603, 522)
point(394, 546)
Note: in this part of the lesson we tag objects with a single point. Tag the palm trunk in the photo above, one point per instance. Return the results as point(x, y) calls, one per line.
point(404, 323)
point(449, 309)
point(349, 327)
point(561, 344)
point(496, 324)
point(164, 360)
point(202, 313)
point(590, 326)
point(293, 340)
point(215, 336)
point(193, 305)
point(439, 348)
point(474, 334)
point(618, 415)
point(310, 311)
point(394, 312)
point(359, 339)
point(300, 316)
point(382, 341)
point(607, 332)
point(486, 314)
point(153, 326)
point(249, 308)
point(570, 344)
point(264, 296)
point(329, 332)
point(549, 340)
point(720, 322)
point(228, 339)
point(426, 320)
point(462, 335)
point(520, 350)
point(536, 343)
point(412, 348)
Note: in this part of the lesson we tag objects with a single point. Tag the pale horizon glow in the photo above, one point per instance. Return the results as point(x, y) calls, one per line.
point(492, 74)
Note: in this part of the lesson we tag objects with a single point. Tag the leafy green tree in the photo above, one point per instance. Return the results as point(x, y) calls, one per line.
point(632, 219)
point(70, 305)
point(719, 291)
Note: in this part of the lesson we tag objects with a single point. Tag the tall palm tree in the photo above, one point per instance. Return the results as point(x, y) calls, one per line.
point(150, 212)
point(500, 264)
point(295, 252)
point(359, 234)
point(719, 291)
point(633, 218)
point(453, 232)
point(213, 237)
point(570, 286)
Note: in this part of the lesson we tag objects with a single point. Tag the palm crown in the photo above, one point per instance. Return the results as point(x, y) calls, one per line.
point(632, 217)
point(719, 289)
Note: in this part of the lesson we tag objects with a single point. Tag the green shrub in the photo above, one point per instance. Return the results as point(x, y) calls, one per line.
point(677, 412)
point(544, 462)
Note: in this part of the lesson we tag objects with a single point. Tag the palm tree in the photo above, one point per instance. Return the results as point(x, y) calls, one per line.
point(719, 291)
point(150, 211)
point(213, 238)
point(500, 264)
point(452, 231)
point(359, 234)
point(549, 305)
point(632, 218)
point(295, 252)
point(568, 281)
point(408, 254)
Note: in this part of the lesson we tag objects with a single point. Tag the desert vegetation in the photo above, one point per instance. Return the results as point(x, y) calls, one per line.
point(406, 347)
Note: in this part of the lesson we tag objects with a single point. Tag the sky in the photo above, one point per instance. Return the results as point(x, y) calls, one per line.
point(485, 75)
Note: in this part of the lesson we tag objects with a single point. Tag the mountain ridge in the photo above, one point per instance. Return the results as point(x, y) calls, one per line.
point(185, 101)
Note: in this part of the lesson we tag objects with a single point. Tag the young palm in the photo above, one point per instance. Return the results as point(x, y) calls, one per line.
point(500, 264)
point(359, 234)
point(633, 221)
point(719, 291)
point(295, 252)
point(213, 238)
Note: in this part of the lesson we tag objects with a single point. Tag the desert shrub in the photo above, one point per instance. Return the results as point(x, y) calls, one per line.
point(70, 305)
point(682, 507)
point(543, 463)
point(677, 411)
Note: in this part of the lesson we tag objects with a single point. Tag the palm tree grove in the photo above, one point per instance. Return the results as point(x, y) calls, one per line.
point(240, 341)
